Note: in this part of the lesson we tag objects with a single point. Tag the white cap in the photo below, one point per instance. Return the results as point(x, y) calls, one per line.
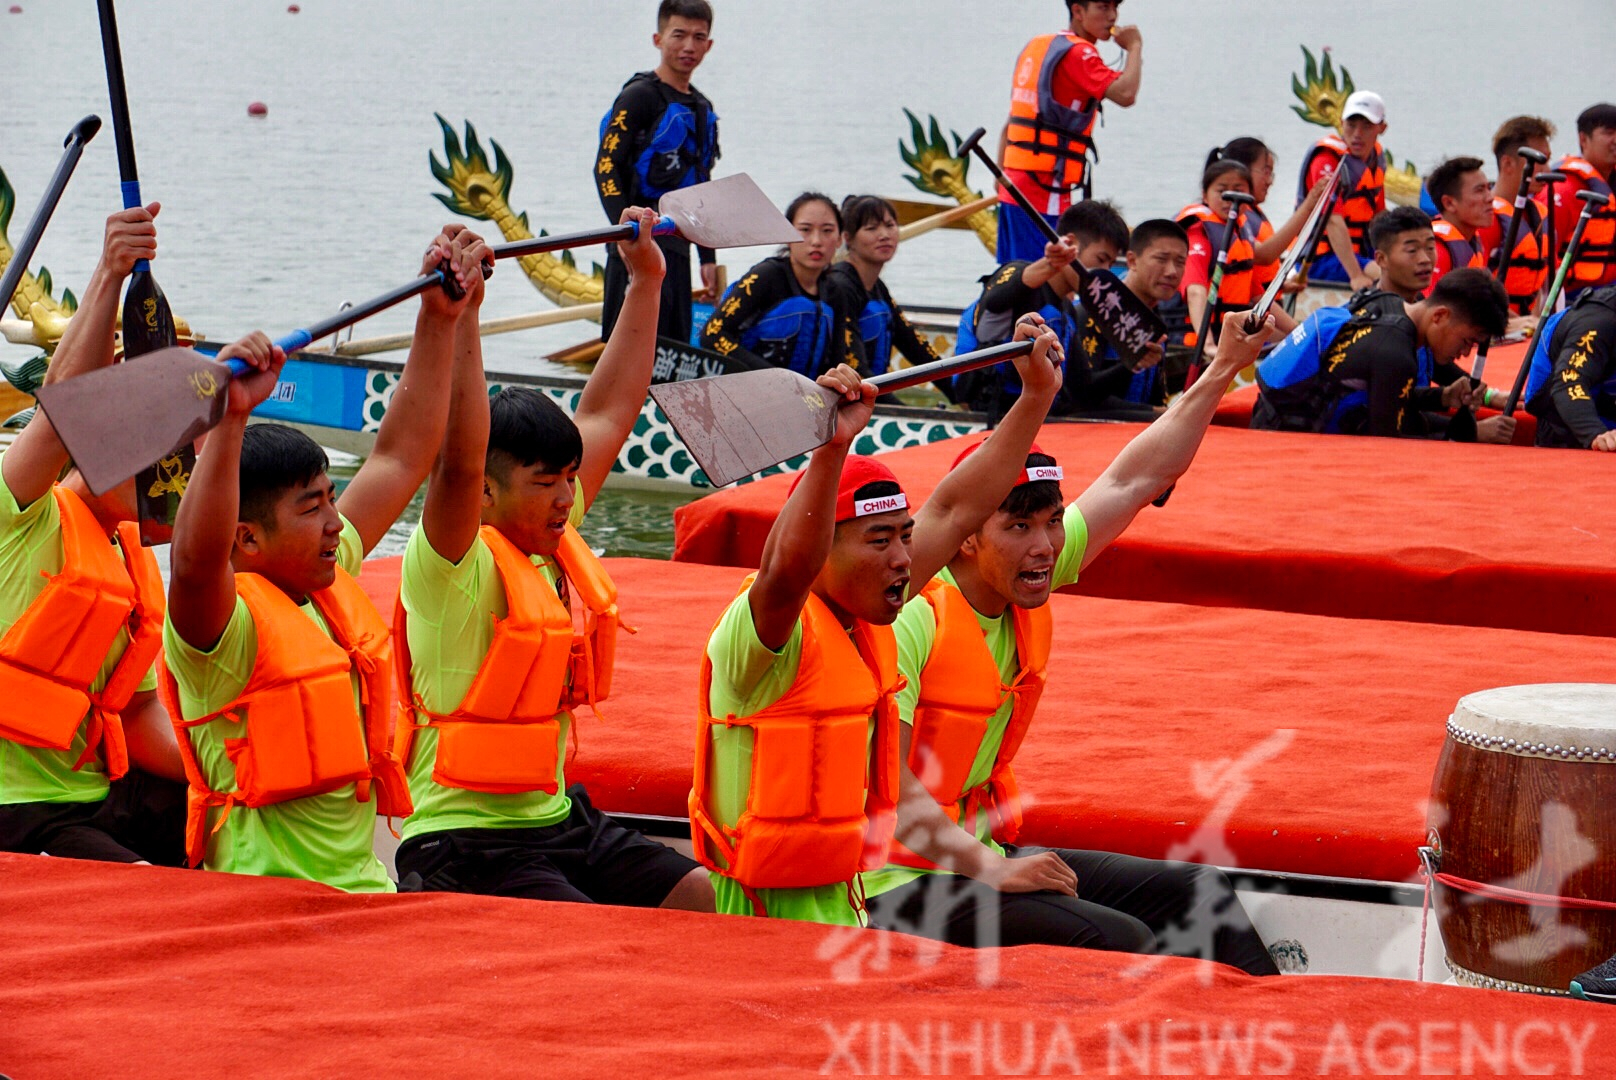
point(1367, 105)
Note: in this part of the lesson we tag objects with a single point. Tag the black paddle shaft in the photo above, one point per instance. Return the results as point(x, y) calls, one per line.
point(1530, 159)
point(1235, 200)
point(77, 139)
point(904, 378)
point(973, 144)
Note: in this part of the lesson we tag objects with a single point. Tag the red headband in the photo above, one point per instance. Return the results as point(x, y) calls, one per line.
point(1031, 474)
point(858, 471)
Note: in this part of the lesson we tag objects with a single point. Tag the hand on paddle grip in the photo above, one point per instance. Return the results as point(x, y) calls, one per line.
point(1040, 370)
point(131, 237)
point(463, 261)
point(256, 364)
point(858, 402)
point(1243, 338)
point(641, 252)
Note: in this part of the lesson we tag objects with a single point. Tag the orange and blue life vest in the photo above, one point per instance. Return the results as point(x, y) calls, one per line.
point(1238, 288)
point(1045, 137)
point(1529, 265)
point(1596, 256)
point(1460, 250)
point(1360, 194)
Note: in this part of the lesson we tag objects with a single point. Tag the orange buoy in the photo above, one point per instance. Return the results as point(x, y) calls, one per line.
point(16, 9)
point(258, 108)
point(293, 8)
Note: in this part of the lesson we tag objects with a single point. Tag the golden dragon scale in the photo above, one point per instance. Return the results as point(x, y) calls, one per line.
point(481, 191)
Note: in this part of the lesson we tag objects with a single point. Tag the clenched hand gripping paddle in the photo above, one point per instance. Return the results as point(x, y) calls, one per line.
point(174, 395)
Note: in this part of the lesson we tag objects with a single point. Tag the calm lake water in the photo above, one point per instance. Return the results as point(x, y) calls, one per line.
point(274, 222)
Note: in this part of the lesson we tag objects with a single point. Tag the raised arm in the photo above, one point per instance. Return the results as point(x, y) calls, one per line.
point(800, 540)
point(412, 430)
point(37, 456)
point(1160, 454)
point(969, 494)
point(616, 390)
point(454, 492)
point(1271, 249)
point(202, 586)
point(1125, 91)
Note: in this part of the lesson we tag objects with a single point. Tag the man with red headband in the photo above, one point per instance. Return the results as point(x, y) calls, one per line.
point(974, 646)
point(796, 776)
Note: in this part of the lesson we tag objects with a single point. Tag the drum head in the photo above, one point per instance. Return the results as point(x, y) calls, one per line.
point(1563, 721)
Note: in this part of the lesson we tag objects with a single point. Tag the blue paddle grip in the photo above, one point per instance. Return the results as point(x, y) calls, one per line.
point(665, 226)
point(288, 343)
point(131, 200)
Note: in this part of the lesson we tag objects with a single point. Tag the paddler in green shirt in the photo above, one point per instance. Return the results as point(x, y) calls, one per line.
point(88, 765)
point(277, 663)
point(796, 760)
point(974, 651)
point(494, 581)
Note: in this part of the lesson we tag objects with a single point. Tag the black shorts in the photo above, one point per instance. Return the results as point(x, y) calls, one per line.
point(142, 819)
point(587, 858)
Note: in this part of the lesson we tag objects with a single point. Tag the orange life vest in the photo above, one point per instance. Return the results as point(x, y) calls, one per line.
point(823, 802)
point(1360, 194)
point(51, 655)
point(1596, 257)
point(1046, 137)
point(504, 735)
point(1265, 272)
point(960, 690)
point(1528, 266)
point(1238, 288)
point(1460, 251)
point(301, 735)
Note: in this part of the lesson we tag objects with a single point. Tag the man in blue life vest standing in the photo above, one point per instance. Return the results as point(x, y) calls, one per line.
point(660, 135)
point(1060, 87)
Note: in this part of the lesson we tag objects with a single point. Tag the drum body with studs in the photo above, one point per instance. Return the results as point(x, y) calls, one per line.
point(1524, 800)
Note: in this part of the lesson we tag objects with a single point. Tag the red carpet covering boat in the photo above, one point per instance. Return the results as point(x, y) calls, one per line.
point(1356, 527)
point(136, 971)
point(1223, 735)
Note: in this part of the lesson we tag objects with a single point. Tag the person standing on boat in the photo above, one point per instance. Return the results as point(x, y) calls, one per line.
point(1529, 265)
point(1592, 168)
point(660, 135)
point(1571, 388)
point(278, 668)
point(779, 313)
point(88, 765)
point(1056, 98)
point(973, 648)
point(1365, 378)
point(1270, 243)
point(854, 285)
point(507, 623)
point(1464, 198)
point(795, 779)
point(1345, 253)
point(1094, 235)
point(1100, 383)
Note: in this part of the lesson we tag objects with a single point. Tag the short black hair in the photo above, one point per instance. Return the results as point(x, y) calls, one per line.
point(1443, 182)
point(275, 459)
point(861, 210)
point(809, 197)
point(1093, 220)
point(527, 428)
point(1247, 150)
point(1216, 170)
point(1387, 225)
point(1595, 117)
point(1148, 232)
point(699, 10)
point(1025, 500)
point(1517, 131)
point(1475, 296)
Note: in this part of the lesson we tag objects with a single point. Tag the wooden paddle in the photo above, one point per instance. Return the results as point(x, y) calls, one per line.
point(173, 402)
point(1591, 202)
point(148, 323)
point(1128, 323)
point(77, 139)
point(737, 425)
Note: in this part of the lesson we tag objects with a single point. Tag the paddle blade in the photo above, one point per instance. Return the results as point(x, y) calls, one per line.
point(732, 212)
point(148, 326)
point(737, 425)
point(119, 420)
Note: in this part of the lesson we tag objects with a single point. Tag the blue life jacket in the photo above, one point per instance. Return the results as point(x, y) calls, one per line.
point(679, 151)
point(1001, 384)
point(965, 338)
point(875, 327)
point(1296, 359)
point(794, 334)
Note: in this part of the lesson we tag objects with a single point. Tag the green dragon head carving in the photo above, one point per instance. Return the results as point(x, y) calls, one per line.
point(938, 171)
point(1322, 97)
point(8, 206)
point(474, 186)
